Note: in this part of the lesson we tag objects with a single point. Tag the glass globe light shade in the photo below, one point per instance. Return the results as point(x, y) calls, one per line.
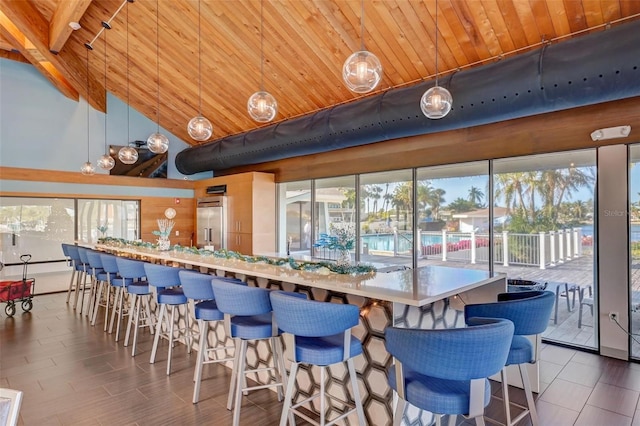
point(262, 106)
point(128, 155)
point(158, 143)
point(436, 102)
point(106, 162)
point(200, 128)
point(87, 169)
point(362, 71)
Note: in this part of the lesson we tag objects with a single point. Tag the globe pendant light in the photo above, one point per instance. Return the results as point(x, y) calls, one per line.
point(262, 106)
point(436, 102)
point(87, 168)
point(199, 127)
point(362, 71)
point(128, 154)
point(105, 162)
point(157, 142)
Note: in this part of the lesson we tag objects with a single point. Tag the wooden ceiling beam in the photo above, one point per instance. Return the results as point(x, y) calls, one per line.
point(28, 31)
point(59, 29)
point(5, 44)
point(13, 56)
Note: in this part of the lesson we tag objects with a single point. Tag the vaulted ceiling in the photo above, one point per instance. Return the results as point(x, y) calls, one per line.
point(305, 45)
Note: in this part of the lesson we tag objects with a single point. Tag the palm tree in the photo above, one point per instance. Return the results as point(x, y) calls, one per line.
point(376, 190)
point(476, 196)
point(402, 200)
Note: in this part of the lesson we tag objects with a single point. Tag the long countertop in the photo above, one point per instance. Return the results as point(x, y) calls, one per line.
point(415, 287)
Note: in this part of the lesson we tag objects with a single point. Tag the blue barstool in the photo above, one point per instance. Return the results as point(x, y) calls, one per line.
point(107, 279)
point(321, 336)
point(95, 269)
point(86, 273)
point(446, 371)
point(71, 263)
point(197, 286)
point(120, 284)
point(139, 294)
point(248, 316)
point(79, 272)
point(100, 297)
point(167, 283)
point(530, 312)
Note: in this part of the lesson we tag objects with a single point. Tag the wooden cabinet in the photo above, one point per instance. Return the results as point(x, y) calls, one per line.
point(251, 210)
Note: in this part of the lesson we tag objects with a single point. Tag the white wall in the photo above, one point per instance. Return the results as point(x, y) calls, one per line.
point(42, 129)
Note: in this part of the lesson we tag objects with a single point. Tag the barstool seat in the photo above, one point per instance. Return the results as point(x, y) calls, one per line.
point(172, 296)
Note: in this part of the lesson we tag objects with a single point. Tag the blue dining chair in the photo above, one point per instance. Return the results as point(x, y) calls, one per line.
point(197, 287)
point(169, 294)
point(248, 317)
point(445, 371)
point(530, 312)
point(321, 336)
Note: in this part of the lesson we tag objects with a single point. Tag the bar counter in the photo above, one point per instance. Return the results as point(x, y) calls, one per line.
point(428, 297)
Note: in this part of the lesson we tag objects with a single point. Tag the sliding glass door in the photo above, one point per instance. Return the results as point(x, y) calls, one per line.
point(634, 246)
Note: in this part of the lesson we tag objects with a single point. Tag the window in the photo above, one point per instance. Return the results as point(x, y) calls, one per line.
point(634, 245)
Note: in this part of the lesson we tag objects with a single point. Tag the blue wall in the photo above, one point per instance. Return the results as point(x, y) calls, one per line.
point(42, 129)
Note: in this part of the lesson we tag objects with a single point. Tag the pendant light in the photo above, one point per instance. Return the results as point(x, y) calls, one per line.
point(157, 142)
point(199, 127)
point(362, 71)
point(436, 102)
point(262, 106)
point(106, 162)
point(87, 168)
point(128, 154)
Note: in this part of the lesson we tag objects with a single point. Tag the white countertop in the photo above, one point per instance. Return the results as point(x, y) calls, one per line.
point(412, 287)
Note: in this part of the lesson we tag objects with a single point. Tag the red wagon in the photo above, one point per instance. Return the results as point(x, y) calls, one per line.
point(13, 292)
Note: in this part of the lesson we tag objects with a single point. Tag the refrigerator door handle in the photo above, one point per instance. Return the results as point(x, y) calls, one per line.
point(210, 240)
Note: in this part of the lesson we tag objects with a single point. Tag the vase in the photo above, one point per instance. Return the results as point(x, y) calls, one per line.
point(164, 244)
point(344, 258)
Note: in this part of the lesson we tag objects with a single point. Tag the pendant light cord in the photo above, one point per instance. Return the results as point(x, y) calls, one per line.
point(128, 102)
point(158, 59)
point(261, 48)
point(436, 42)
point(362, 25)
point(105, 91)
point(88, 133)
point(199, 63)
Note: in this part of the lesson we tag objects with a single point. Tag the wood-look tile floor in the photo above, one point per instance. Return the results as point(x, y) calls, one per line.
point(75, 374)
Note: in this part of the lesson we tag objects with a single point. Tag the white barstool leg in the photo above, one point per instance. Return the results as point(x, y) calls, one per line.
point(156, 339)
point(133, 316)
point(524, 375)
point(137, 325)
point(203, 326)
point(171, 339)
point(71, 286)
point(239, 385)
point(234, 373)
point(356, 391)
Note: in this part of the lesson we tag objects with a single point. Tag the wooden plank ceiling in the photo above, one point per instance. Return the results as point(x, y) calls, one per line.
point(305, 45)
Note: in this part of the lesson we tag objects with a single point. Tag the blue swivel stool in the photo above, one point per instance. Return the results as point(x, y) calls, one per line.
point(120, 284)
point(445, 371)
point(107, 279)
point(197, 287)
point(320, 335)
point(530, 312)
point(169, 294)
point(248, 316)
point(139, 295)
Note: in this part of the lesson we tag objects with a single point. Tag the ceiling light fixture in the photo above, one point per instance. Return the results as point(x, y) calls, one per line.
point(87, 168)
point(199, 127)
point(436, 102)
point(262, 106)
point(157, 142)
point(105, 162)
point(362, 71)
point(128, 154)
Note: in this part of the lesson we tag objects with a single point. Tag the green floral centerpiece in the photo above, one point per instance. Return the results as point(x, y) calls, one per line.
point(103, 229)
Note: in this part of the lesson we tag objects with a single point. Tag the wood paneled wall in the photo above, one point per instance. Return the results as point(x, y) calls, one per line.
point(151, 208)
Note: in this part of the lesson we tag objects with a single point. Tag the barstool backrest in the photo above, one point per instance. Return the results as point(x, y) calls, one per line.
point(128, 268)
point(82, 253)
point(241, 300)
point(309, 318)
point(529, 311)
point(65, 250)
point(109, 263)
point(161, 275)
point(73, 254)
point(94, 259)
point(466, 353)
point(197, 286)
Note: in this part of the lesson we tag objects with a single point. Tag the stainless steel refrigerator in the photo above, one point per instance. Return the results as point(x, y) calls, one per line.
point(211, 222)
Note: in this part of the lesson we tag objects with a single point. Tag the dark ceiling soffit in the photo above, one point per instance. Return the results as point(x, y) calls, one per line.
point(599, 67)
